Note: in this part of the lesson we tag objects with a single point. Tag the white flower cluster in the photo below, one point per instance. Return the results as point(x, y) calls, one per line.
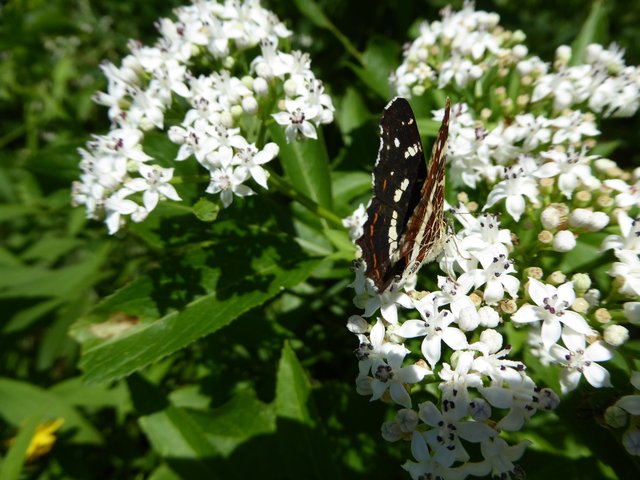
point(223, 127)
point(481, 391)
point(457, 51)
point(537, 158)
point(604, 84)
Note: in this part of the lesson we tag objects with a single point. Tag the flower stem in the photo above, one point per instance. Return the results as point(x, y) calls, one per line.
point(281, 185)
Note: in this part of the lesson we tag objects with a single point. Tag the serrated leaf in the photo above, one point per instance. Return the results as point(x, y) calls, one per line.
point(176, 437)
point(240, 419)
point(302, 442)
point(306, 164)
point(292, 389)
point(187, 299)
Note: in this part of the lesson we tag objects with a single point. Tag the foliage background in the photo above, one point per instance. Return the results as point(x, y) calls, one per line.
point(270, 393)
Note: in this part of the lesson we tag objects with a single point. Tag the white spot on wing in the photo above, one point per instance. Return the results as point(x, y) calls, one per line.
point(396, 142)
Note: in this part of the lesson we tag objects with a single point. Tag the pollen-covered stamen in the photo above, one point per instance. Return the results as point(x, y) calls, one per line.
point(363, 351)
point(297, 117)
point(384, 373)
point(555, 306)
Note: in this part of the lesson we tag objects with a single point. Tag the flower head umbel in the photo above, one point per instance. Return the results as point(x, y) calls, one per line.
point(525, 146)
point(217, 128)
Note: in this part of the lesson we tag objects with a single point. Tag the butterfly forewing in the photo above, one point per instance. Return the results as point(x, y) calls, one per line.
point(405, 217)
point(398, 175)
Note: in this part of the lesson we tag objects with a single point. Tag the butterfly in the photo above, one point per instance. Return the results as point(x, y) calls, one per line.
point(405, 224)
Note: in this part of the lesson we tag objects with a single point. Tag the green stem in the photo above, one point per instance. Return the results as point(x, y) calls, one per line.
point(281, 185)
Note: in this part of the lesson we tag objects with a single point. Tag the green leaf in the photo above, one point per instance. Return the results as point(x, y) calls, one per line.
point(594, 30)
point(306, 164)
point(313, 12)
point(20, 401)
point(187, 299)
point(353, 113)
point(176, 437)
point(379, 60)
point(292, 389)
point(348, 186)
point(12, 463)
point(17, 282)
point(240, 419)
point(206, 210)
point(302, 443)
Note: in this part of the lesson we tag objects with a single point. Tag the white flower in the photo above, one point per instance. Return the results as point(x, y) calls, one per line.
point(355, 222)
point(494, 273)
point(579, 361)
point(629, 195)
point(427, 467)
point(228, 182)
point(552, 309)
point(630, 230)
point(514, 186)
point(392, 376)
point(251, 160)
point(572, 127)
point(571, 167)
point(501, 455)
point(628, 269)
point(155, 184)
point(456, 383)
point(296, 120)
point(445, 434)
point(117, 205)
point(435, 329)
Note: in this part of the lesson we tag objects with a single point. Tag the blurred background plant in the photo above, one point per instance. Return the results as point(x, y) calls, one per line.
point(271, 391)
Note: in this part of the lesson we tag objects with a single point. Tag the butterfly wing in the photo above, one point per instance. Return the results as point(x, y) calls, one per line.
point(398, 177)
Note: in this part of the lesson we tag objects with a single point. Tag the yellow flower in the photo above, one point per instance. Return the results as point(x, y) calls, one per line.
point(43, 439)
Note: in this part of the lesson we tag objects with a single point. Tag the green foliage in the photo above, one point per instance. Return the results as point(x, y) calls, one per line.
point(210, 343)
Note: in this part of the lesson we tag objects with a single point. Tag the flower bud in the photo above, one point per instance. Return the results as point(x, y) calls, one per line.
point(564, 241)
point(391, 431)
point(260, 86)
point(545, 237)
point(632, 312)
point(581, 283)
point(550, 218)
point(615, 416)
point(249, 105)
point(563, 53)
point(488, 317)
point(557, 278)
point(592, 296)
point(580, 305)
point(492, 339)
point(580, 218)
point(290, 87)
point(602, 315)
point(534, 272)
point(631, 441)
point(599, 220)
point(407, 419)
point(616, 335)
point(356, 324)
